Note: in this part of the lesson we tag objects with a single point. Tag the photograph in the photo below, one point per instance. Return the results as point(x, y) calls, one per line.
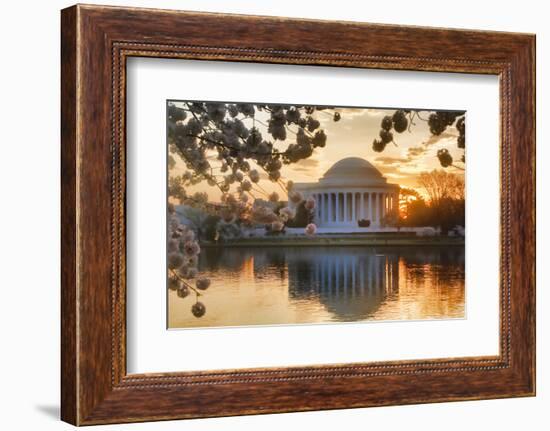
point(301, 214)
point(268, 213)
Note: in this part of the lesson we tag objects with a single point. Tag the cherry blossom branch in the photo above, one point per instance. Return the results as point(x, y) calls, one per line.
point(175, 274)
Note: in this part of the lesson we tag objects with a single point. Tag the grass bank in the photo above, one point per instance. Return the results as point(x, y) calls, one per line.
point(394, 239)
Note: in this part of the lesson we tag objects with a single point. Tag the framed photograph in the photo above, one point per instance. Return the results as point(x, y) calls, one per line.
point(259, 216)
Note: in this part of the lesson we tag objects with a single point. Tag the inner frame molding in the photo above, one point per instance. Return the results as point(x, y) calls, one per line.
point(121, 52)
point(96, 42)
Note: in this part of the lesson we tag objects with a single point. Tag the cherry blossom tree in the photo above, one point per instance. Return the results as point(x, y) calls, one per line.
point(438, 121)
point(234, 148)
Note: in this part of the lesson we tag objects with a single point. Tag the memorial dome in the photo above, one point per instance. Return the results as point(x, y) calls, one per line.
point(353, 171)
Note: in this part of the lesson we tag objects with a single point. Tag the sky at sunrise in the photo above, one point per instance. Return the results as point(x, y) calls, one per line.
point(353, 136)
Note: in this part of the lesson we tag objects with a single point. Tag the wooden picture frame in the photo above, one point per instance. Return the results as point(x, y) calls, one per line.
point(96, 41)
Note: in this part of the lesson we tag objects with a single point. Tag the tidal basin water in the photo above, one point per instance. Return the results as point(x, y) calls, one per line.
point(283, 285)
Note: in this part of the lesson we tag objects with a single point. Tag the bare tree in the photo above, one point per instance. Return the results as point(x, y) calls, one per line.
point(440, 184)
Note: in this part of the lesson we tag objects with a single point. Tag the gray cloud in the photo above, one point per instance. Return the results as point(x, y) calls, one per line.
point(388, 161)
point(416, 151)
point(390, 169)
point(307, 163)
point(434, 139)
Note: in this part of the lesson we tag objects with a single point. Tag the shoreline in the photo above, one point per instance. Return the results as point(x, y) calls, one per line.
point(339, 240)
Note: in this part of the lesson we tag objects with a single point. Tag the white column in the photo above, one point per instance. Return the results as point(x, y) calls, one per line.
point(362, 206)
point(335, 215)
point(321, 208)
point(322, 204)
point(333, 207)
point(338, 207)
point(369, 212)
point(346, 215)
point(353, 207)
point(330, 206)
point(345, 203)
point(350, 206)
point(318, 206)
point(327, 205)
point(325, 208)
point(330, 199)
point(372, 205)
point(343, 209)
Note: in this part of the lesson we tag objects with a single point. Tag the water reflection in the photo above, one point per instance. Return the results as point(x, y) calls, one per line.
point(258, 286)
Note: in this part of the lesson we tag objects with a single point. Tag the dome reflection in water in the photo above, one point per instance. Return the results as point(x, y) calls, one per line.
point(280, 285)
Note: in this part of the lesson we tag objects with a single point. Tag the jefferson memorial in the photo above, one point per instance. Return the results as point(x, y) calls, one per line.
point(352, 190)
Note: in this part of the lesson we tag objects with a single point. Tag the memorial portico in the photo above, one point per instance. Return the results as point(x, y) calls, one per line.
point(352, 190)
